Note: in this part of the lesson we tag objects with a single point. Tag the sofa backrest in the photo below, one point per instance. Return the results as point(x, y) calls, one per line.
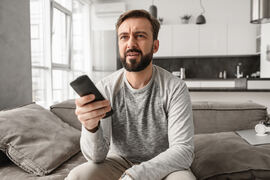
point(212, 117)
point(208, 117)
point(66, 111)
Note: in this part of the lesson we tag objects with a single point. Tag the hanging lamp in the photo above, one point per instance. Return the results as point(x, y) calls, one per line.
point(201, 19)
point(153, 9)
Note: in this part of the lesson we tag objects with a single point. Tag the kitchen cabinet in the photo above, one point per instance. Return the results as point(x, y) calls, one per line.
point(242, 39)
point(165, 41)
point(210, 83)
point(213, 39)
point(207, 40)
point(218, 84)
point(185, 40)
point(258, 84)
point(265, 51)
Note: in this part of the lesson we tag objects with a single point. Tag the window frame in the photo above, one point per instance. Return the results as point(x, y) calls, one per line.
point(48, 66)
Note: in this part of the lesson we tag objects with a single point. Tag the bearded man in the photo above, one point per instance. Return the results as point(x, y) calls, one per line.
point(150, 134)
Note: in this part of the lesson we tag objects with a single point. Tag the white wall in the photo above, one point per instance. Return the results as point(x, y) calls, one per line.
point(103, 35)
point(15, 57)
point(217, 11)
point(265, 40)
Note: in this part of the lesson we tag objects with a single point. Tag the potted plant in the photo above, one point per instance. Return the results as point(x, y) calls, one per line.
point(185, 19)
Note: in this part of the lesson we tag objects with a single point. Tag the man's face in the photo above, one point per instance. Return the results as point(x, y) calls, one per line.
point(136, 45)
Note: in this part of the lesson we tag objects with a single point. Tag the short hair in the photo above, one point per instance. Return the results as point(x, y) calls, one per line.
point(137, 14)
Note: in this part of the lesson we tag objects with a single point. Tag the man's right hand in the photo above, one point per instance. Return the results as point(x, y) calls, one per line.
point(89, 113)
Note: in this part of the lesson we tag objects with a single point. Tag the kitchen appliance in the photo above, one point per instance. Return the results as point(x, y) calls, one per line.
point(260, 11)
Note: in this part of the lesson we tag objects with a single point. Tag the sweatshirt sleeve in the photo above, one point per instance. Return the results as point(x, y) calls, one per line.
point(95, 146)
point(179, 155)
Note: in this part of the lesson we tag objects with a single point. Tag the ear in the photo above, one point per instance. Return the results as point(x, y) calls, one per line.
point(155, 46)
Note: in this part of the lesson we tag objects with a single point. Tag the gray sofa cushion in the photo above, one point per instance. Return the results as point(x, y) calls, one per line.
point(212, 117)
point(226, 155)
point(36, 140)
point(66, 111)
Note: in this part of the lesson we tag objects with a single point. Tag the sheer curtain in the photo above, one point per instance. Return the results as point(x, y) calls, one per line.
point(60, 46)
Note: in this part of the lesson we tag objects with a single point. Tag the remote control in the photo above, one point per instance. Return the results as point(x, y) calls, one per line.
point(84, 86)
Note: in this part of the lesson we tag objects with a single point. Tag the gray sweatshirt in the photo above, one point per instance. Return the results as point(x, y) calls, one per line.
point(151, 126)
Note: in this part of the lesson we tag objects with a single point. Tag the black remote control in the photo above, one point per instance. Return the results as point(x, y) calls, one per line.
point(84, 86)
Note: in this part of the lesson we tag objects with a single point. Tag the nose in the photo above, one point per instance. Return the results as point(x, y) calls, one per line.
point(132, 43)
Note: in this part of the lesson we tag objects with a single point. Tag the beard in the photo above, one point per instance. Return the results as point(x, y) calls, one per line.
point(136, 66)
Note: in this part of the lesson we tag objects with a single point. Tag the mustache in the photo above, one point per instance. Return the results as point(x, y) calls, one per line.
point(133, 50)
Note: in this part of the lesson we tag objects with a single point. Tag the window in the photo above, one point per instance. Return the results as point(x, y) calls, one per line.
point(60, 47)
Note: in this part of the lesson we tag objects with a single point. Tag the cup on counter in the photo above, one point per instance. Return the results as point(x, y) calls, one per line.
point(182, 73)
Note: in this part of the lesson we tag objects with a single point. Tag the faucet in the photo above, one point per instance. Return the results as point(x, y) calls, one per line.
point(238, 73)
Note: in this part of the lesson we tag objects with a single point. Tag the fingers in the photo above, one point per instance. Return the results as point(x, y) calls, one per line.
point(89, 113)
point(93, 114)
point(92, 106)
point(91, 124)
point(84, 100)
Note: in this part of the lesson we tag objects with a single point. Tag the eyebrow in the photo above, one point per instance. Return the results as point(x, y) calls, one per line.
point(137, 32)
point(141, 32)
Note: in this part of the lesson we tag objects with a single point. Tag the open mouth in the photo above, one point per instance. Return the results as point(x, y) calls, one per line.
point(133, 54)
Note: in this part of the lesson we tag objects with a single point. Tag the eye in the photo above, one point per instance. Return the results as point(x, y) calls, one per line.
point(140, 36)
point(123, 37)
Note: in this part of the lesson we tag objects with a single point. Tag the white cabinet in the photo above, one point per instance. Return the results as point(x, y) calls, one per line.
point(241, 39)
point(210, 84)
point(165, 41)
point(185, 40)
point(213, 39)
point(258, 84)
point(207, 40)
point(218, 84)
point(265, 48)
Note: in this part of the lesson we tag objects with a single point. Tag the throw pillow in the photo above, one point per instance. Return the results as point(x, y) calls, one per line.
point(66, 111)
point(226, 155)
point(36, 140)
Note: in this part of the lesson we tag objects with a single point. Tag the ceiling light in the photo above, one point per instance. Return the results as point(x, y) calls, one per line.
point(201, 19)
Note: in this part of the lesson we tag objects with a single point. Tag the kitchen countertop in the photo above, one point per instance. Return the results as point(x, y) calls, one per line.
point(220, 79)
point(241, 85)
point(226, 90)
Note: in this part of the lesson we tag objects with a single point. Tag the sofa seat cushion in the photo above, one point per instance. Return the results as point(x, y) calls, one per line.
point(213, 117)
point(36, 140)
point(226, 155)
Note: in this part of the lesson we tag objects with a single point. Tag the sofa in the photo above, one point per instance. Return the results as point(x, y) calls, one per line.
point(36, 143)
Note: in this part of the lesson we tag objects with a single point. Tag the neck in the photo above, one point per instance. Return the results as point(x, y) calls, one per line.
point(138, 80)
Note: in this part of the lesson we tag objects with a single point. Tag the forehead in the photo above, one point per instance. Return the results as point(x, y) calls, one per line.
point(135, 24)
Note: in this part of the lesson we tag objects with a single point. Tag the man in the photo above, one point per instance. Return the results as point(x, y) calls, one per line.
point(150, 134)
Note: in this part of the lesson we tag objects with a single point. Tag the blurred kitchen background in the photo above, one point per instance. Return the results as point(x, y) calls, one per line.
point(211, 44)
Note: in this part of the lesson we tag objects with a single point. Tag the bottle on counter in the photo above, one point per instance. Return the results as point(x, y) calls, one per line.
point(220, 75)
point(182, 73)
point(224, 75)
